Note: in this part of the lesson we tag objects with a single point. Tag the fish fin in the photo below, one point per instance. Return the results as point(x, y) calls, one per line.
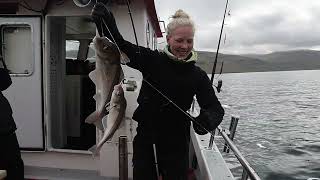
point(99, 125)
point(92, 117)
point(95, 149)
point(104, 122)
point(124, 59)
point(97, 96)
point(93, 76)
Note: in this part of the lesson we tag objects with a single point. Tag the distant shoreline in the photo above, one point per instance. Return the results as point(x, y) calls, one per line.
point(277, 61)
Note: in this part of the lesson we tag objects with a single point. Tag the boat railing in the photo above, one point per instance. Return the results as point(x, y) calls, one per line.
point(248, 171)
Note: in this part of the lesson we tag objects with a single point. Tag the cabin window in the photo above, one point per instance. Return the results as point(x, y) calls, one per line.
point(72, 48)
point(17, 49)
point(91, 53)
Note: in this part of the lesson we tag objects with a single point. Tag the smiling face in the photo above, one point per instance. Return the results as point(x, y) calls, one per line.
point(180, 41)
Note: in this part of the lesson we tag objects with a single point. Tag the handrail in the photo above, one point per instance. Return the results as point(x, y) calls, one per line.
point(248, 170)
point(252, 174)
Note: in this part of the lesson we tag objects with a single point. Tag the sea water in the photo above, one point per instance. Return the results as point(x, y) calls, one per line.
point(279, 122)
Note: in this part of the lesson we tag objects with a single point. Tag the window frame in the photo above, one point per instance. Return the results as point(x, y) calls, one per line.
point(32, 53)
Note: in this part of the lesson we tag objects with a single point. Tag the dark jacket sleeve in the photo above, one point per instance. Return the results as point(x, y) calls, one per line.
point(211, 111)
point(7, 124)
point(5, 79)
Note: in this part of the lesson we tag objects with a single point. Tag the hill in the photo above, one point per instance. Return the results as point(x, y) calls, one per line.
point(276, 61)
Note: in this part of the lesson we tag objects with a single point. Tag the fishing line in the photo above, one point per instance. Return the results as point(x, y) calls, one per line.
point(111, 33)
point(150, 84)
point(112, 38)
point(176, 106)
point(162, 94)
point(167, 98)
point(153, 87)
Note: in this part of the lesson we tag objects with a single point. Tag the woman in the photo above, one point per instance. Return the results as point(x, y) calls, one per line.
point(174, 74)
point(10, 157)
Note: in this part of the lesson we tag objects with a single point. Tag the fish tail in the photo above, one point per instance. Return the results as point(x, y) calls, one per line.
point(94, 151)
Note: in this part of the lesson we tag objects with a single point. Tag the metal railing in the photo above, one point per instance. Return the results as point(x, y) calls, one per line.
point(248, 171)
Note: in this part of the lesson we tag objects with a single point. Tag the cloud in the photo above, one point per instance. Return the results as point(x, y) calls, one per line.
point(253, 26)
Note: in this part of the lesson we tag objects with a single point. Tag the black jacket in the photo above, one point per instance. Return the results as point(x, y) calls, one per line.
point(158, 117)
point(7, 124)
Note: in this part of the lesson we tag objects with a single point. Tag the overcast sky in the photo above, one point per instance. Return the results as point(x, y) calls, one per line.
point(253, 26)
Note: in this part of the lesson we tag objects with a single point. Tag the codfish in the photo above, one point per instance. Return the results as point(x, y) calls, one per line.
point(107, 74)
point(116, 115)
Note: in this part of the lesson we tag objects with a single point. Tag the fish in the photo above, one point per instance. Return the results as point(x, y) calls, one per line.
point(115, 117)
point(107, 74)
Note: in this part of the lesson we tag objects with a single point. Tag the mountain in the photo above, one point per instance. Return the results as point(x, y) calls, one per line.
point(72, 54)
point(276, 61)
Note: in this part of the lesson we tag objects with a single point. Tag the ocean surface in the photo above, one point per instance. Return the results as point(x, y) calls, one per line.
point(279, 122)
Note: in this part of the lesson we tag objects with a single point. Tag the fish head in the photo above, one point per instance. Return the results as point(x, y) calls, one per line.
point(117, 93)
point(106, 49)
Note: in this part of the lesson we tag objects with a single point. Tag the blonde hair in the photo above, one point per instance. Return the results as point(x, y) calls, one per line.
point(180, 18)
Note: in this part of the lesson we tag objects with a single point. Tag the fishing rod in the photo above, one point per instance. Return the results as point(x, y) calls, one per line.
point(217, 52)
point(132, 24)
point(150, 84)
point(218, 87)
point(157, 90)
point(188, 115)
point(101, 33)
point(215, 66)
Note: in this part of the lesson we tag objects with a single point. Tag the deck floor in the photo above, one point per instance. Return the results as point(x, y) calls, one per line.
point(39, 173)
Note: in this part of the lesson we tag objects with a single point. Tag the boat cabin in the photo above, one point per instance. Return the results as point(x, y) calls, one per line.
point(47, 46)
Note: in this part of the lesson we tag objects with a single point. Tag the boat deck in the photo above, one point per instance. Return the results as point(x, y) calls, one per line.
point(41, 173)
point(211, 164)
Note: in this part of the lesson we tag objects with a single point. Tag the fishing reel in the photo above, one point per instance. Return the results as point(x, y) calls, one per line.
point(219, 86)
